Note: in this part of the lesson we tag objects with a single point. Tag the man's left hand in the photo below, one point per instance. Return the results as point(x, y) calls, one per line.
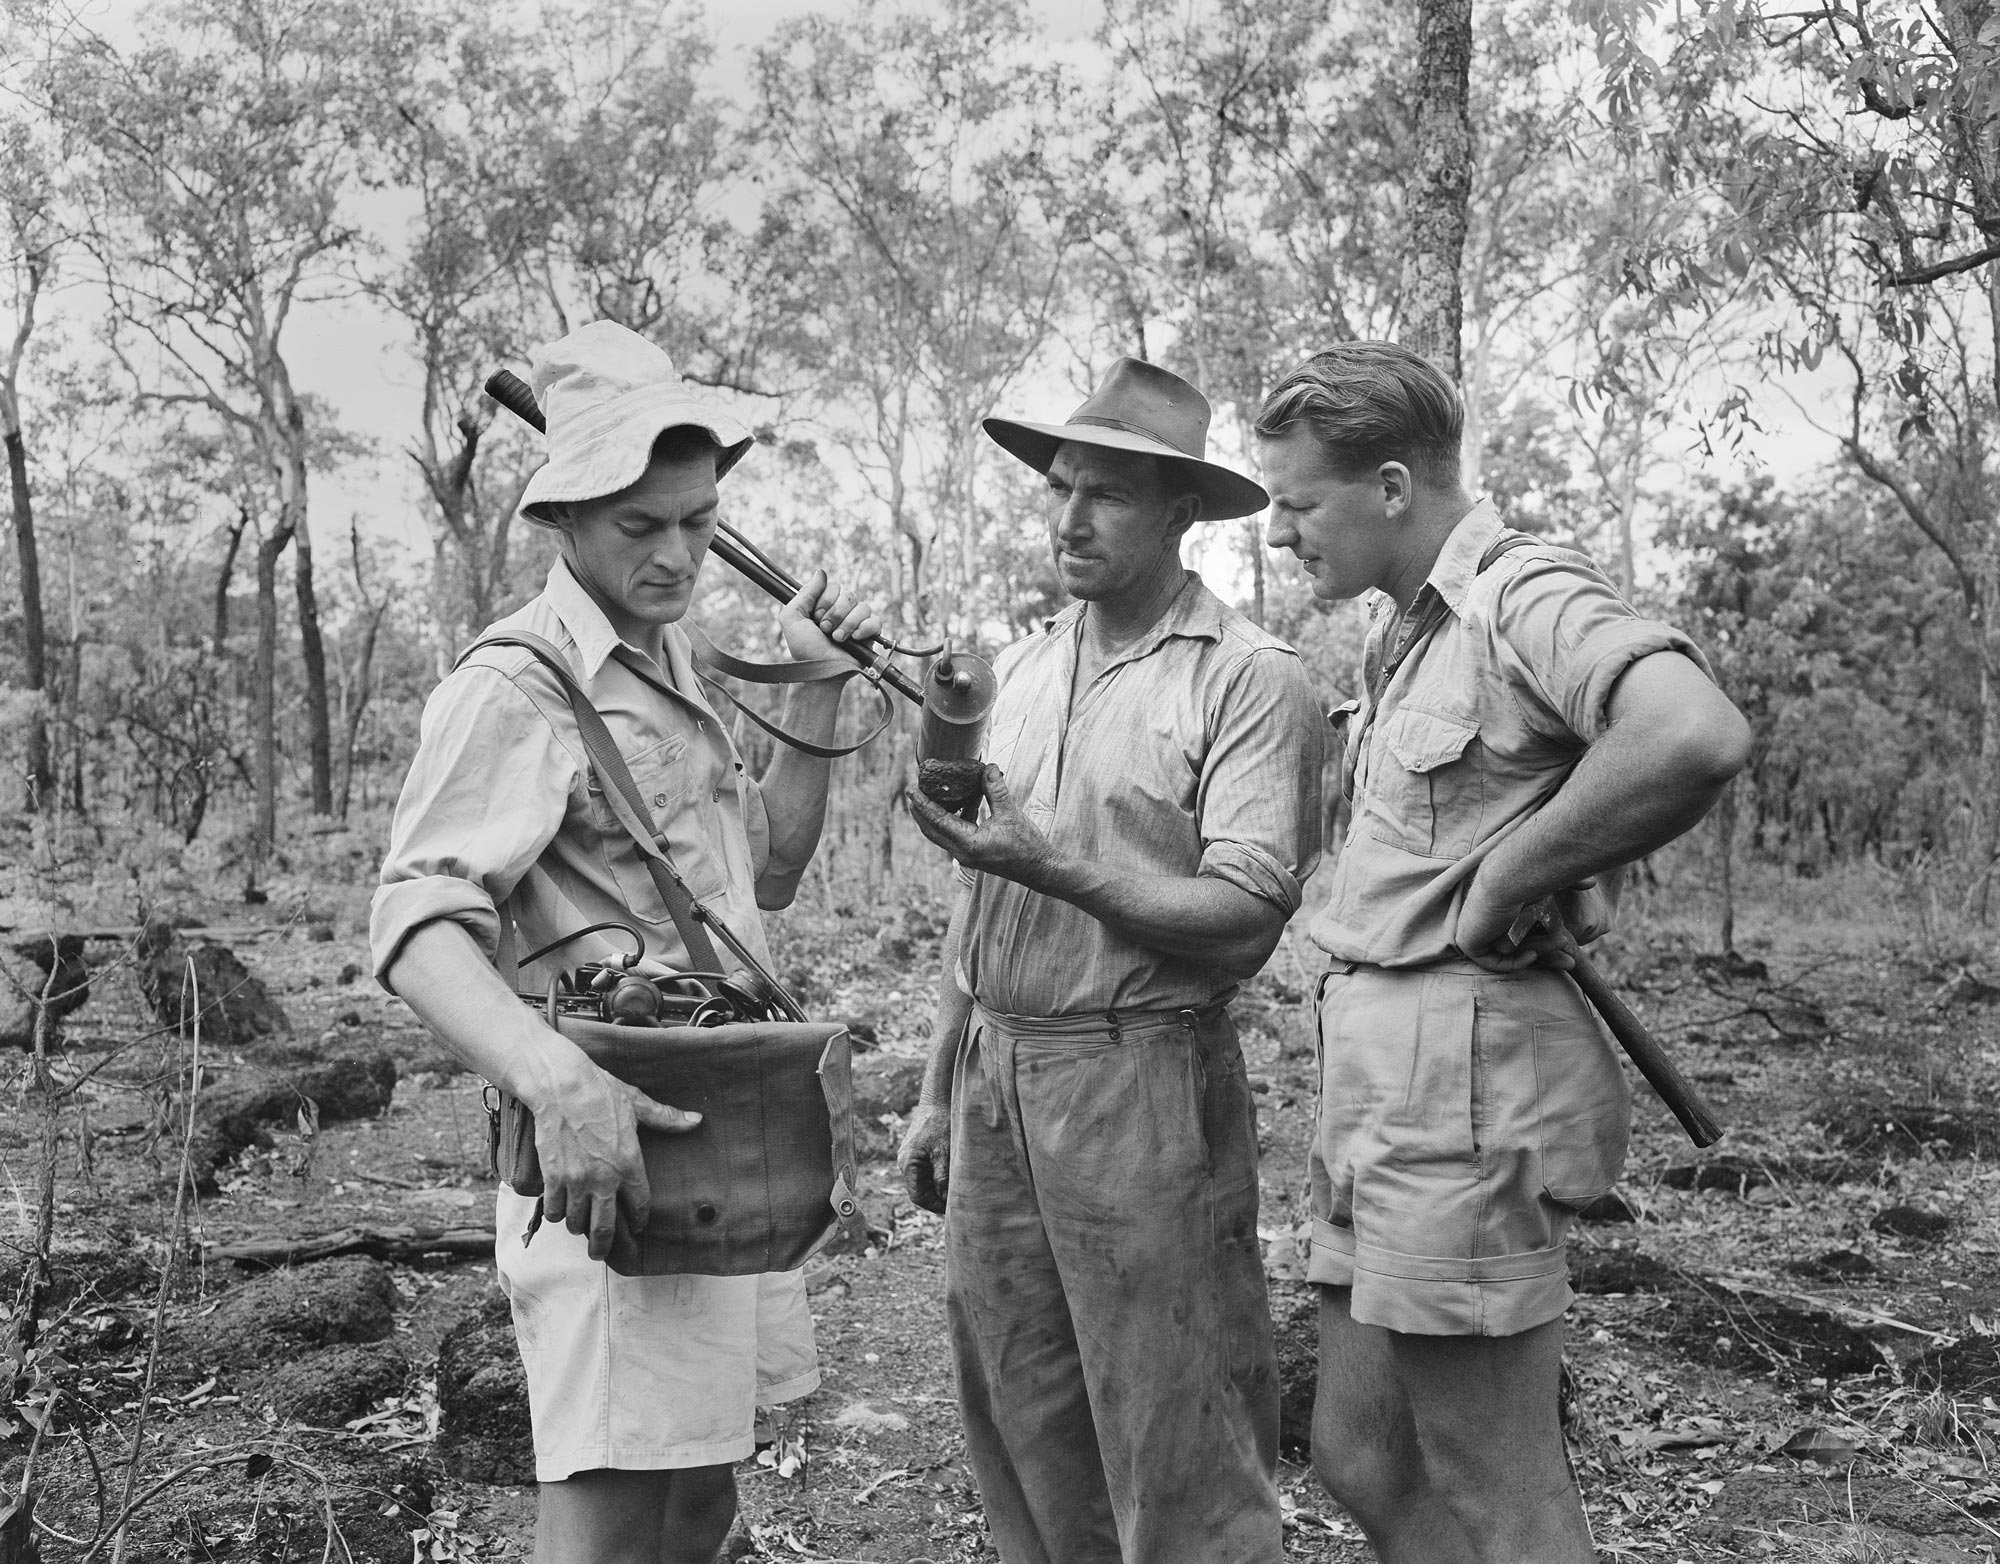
point(1004, 842)
point(821, 617)
point(1484, 934)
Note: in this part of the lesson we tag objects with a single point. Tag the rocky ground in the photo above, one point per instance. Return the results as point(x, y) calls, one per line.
point(1788, 1347)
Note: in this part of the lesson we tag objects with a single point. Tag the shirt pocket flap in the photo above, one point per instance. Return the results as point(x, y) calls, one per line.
point(1422, 741)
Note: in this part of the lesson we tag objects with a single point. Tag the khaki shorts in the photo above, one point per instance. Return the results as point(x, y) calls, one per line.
point(646, 1372)
point(1464, 1115)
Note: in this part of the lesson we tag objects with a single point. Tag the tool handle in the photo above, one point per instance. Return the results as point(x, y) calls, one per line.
point(515, 394)
point(1675, 1089)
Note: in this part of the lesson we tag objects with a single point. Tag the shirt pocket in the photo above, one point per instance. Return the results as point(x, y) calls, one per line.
point(1427, 793)
point(662, 777)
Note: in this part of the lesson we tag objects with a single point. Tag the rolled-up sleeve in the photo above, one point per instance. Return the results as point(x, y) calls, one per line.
point(486, 793)
point(1259, 799)
point(756, 827)
point(1566, 636)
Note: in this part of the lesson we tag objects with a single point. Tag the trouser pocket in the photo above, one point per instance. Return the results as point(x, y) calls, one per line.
point(1584, 1109)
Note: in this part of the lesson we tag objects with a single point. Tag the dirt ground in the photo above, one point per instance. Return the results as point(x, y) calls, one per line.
point(1787, 1348)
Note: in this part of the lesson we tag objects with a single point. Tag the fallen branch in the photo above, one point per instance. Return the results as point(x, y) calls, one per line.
point(382, 1243)
point(1846, 1311)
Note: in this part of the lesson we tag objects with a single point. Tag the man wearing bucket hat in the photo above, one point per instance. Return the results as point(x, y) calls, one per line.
point(1152, 778)
point(642, 1389)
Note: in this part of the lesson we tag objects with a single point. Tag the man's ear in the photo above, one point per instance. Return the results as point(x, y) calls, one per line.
point(1398, 490)
point(1186, 512)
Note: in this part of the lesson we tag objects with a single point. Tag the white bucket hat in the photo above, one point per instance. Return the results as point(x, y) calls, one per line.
point(608, 394)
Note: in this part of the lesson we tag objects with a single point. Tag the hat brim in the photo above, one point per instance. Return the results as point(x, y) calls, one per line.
point(1225, 495)
point(608, 450)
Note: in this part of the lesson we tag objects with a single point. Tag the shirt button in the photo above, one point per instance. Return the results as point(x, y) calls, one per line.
point(659, 800)
point(718, 792)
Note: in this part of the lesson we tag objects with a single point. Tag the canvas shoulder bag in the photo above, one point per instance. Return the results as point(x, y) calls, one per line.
point(761, 1182)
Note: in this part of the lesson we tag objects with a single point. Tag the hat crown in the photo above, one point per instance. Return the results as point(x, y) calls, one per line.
point(595, 364)
point(1142, 398)
point(608, 394)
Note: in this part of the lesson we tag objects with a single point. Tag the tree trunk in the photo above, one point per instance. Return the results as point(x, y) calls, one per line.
point(354, 703)
point(1985, 822)
point(1253, 542)
point(312, 652)
point(1431, 307)
point(34, 633)
point(264, 697)
point(226, 575)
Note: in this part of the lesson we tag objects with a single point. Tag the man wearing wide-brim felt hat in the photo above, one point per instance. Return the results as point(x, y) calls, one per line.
point(1086, 1124)
point(642, 1389)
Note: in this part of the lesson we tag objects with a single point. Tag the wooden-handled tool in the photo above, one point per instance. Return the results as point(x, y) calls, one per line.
point(731, 547)
point(1681, 1096)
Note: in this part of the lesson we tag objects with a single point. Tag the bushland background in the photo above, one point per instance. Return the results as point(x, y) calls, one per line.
point(1720, 282)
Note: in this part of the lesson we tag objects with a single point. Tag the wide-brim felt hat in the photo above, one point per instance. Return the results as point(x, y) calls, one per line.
point(607, 395)
point(1140, 407)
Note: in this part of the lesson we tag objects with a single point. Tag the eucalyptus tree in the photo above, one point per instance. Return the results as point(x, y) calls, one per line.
point(1431, 309)
point(31, 235)
point(463, 148)
point(923, 171)
point(1246, 204)
point(564, 168)
point(219, 158)
point(1838, 167)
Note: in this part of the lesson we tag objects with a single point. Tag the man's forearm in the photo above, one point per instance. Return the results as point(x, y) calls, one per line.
point(954, 1012)
point(795, 788)
point(1672, 746)
point(1223, 924)
point(442, 976)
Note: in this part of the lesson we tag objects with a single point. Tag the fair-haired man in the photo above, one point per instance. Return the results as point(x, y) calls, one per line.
point(642, 1390)
point(1153, 784)
point(1524, 733)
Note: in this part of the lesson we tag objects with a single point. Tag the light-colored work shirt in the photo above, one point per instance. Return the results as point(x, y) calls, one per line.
point(1475, 731)
point(500, 814)
point(1195, 753)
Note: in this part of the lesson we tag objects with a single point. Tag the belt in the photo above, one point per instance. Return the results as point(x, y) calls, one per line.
point(1119, 1024)
point(1450, 966)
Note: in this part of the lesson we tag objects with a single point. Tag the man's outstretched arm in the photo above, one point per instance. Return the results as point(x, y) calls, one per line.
point(1221, 923)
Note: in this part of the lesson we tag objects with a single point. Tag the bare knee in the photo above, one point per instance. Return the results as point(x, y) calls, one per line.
point(1361, 1463)
point(1363, 1444)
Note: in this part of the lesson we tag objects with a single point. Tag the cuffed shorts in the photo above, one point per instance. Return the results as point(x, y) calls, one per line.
point(1464, 1116)
point(645, 1373)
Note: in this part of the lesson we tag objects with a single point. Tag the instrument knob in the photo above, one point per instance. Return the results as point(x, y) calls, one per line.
point(634, 1002)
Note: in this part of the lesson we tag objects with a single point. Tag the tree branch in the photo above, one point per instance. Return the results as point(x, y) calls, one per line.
point(1931, 273)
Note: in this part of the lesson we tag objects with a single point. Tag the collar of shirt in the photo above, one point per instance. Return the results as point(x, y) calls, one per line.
point(1458, 561)
point(596, 640)
point(1193, 612)
point(1451, 576)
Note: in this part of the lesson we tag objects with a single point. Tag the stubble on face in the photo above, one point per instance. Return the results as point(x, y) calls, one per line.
point(639, 551)
point(1112, 528)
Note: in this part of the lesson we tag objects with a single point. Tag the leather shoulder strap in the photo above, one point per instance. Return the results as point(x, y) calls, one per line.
point(708, 655)
point(623, 795)
point(1434, 613)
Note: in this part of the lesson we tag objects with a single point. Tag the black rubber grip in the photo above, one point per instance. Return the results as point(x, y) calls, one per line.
point(513, 393)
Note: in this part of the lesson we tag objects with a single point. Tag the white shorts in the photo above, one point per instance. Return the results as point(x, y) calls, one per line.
point(644, 1373)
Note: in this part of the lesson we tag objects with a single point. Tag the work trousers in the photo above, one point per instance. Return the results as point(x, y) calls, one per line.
point(1105, 1288)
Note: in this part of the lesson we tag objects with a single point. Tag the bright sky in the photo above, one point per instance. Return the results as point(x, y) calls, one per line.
point(357, 360)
